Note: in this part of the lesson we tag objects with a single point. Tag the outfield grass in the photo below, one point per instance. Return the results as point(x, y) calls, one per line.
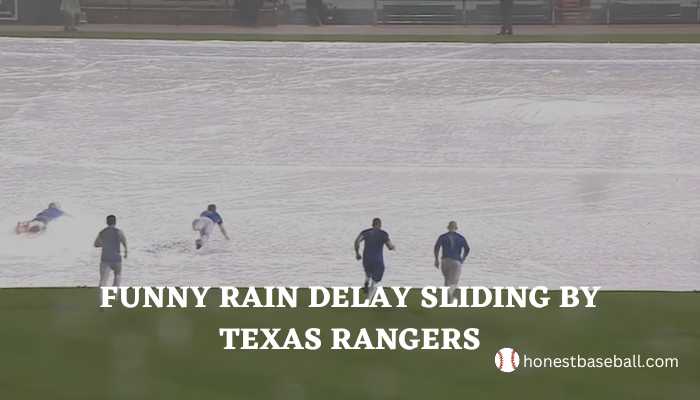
point(379, 38)
point(57, 345)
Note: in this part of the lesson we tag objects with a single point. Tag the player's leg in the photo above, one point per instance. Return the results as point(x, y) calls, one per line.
point(376, 275)
point(199, 226)
point(451, 270)
point(371, 289)
point(445, 272)
point(104, 273)
point(36, 226)
point(457, 274)
point(117, 270)
point(368, 267)
point(207, 230)
point(196, 226)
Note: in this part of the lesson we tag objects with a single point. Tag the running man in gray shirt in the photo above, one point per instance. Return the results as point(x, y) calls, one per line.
point(110, 240)
point(455, 250)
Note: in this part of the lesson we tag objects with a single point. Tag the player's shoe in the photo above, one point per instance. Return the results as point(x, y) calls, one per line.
point(198, 244)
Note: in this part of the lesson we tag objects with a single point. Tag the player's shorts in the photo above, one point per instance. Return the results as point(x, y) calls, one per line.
point(451, 270)
point(204, 226)
point(115, 267)
point(374, 270)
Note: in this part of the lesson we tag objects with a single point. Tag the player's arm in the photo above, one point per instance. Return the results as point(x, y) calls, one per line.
point(98, 240)
point(223, 231)
point(465, 250)
point(389, 244)
point(122, 240)
point(436, 251)
point(359, 239)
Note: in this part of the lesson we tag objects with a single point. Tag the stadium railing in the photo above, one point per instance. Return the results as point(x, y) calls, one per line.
point(460, 11)
point(393, 11)
point(173, 12)
point(652, 11)
point(535, 11)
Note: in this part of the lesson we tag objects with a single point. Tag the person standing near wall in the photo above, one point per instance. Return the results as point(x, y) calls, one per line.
point(314, 9)
point(71, 14)
point(506, 17)
point(249, 11)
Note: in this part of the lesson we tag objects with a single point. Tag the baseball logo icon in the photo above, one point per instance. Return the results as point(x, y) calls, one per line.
point(507, 360)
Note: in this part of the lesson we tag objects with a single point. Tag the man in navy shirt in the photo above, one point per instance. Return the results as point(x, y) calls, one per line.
point(373, 254)
point(455, 250)
point(41, 220)
point(205, 225)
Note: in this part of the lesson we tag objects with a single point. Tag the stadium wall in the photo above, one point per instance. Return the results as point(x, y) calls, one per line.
point(352, 12)
point(30, 12)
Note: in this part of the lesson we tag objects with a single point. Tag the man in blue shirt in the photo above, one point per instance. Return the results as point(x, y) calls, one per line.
point(41, 220)
point(455, 250)
point(372, 256)
point(205, 225)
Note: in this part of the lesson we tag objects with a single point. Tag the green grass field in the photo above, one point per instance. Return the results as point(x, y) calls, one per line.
point(56, 344)
point(394, 38)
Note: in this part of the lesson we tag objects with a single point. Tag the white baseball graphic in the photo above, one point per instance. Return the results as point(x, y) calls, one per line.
point(507, 359)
